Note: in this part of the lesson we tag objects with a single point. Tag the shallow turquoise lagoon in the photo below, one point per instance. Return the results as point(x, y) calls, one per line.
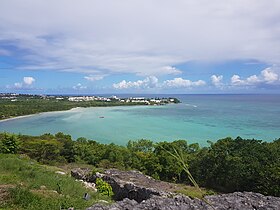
point(197, 119)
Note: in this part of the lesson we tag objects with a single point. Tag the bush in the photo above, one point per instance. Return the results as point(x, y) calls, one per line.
point(103, 187)
point(9, 144)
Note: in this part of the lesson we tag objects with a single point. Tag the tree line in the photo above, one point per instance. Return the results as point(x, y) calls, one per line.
point(33, 105)
point(227, 165)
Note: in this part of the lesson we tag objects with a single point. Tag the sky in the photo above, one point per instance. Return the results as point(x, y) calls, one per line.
point(139, 46)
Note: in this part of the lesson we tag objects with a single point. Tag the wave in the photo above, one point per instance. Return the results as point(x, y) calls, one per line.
point(192, 105)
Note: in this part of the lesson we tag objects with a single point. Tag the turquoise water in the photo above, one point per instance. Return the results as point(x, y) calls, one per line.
point(197, 119)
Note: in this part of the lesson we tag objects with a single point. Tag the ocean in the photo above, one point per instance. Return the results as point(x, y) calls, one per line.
point(197, 119)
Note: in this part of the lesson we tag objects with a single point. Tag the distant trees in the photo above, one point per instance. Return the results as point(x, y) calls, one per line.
point(227, 165)
point(26, 105)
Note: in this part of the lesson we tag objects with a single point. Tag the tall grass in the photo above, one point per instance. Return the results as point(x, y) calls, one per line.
point(39, 187)
point(178, 156)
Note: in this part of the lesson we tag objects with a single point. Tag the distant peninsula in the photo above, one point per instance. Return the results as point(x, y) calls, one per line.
point(15, 105)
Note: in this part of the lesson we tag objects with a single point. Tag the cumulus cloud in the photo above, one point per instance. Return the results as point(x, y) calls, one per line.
point(94, 77)
point(152, 82)
point(149, 82)
point(268, 76)
point(25, 84)
point(183, 83)
point(115, 37)
point(79, 86)
point(28, 80)
point(217, 80)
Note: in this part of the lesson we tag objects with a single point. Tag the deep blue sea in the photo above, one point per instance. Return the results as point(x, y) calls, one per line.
point(197, 119)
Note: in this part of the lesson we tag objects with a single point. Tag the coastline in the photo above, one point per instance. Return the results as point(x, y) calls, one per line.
point(68, 110)
point(31, 115)
point(72, 109)
point(18, 117)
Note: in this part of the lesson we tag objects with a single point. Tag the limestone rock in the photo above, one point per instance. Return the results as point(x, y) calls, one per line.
point(134, 191)
point(232, 201)
point(84, 174)
point(134, 185)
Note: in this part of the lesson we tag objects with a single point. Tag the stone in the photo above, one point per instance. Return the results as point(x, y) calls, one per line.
point(134, 185)
point(134, 190)
point(84, 174)
point(60, 172)
point(231, 201)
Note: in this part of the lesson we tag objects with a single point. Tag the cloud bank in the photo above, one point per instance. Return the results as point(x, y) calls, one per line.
point(268, 76)
point(153, 82)
point(141, 37)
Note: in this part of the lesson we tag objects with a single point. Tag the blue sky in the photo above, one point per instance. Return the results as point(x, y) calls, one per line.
point(160, 46)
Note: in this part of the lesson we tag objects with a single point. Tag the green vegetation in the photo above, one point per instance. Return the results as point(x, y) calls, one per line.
point(25, 184)
point(26, 105)
point(104, 188)
point(239, 165)
point(194, 192)
point(225, 166)
point(20, 105)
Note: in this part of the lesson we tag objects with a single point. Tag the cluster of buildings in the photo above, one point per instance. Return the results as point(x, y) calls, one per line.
point(89, 98)
point(139, 100)
point(8, 95)
point(142, 100)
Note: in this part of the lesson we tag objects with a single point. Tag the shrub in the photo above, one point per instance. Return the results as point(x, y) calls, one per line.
point(9, 144)
point(103, 187)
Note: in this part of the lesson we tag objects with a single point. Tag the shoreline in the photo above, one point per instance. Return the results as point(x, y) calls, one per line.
point(16, 118)
point(68, 110)
point(31, 115)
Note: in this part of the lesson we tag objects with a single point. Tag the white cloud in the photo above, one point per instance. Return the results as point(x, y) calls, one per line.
point(217, 80)
point(79, 86)
point(142, 37)
point(18, 85)
point(268, 76)
point(28, 80)
point(235, 80)
point(94, 77)
point(170, 70)
point(148, 82)
point(152, 82)
point(25, 84)
point(182, 83)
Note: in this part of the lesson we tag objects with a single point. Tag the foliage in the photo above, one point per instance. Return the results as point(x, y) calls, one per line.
point(239, 165)
point(103, 187)
point(9, 143)
point(226, 166)
point(142, 145)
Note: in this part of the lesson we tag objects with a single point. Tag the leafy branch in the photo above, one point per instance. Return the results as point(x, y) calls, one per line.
point(179, 157)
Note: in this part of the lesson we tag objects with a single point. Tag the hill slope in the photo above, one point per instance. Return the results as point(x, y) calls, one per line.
point(25, 184)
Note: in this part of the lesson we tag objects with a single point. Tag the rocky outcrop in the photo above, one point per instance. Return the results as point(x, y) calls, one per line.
point(84, 174)
point(134, 185)
point(134, 190)
point(127, 184)
point(232, 201)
